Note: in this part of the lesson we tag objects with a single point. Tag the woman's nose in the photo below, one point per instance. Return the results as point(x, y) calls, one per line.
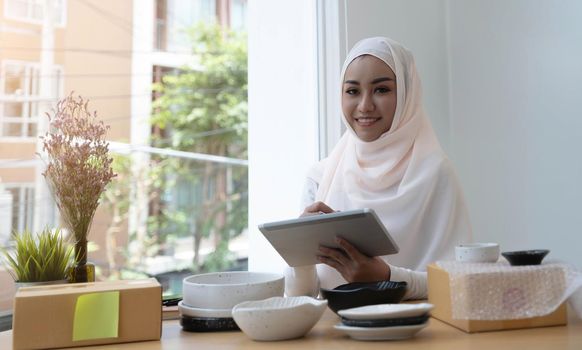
point(366, 103)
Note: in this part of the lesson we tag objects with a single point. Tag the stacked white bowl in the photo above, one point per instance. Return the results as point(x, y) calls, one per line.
point(208, 299)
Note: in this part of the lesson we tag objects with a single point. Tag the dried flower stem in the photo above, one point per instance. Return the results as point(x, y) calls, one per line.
point(79, 166)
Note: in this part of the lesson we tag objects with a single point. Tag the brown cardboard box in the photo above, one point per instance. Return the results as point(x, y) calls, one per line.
point(65, 315)
point(439, 294)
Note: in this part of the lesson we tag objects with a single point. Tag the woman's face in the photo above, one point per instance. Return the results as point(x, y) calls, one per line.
point(369, 97)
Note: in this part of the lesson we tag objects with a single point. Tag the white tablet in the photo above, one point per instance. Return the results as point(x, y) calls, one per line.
point(298, 240)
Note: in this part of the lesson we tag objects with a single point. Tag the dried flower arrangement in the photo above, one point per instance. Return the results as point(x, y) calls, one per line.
point(78, 170)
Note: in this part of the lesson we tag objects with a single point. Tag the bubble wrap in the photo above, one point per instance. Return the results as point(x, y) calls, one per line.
point(498, 291)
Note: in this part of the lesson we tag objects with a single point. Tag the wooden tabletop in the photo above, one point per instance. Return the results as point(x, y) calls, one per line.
point(437, 335)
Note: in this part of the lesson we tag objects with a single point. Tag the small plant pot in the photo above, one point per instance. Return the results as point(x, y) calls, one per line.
point(34, 284)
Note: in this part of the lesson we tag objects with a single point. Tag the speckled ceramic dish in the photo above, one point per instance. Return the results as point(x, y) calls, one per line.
point(352, 295)
point(223, 290)
point(278, 318)
point(525, 257)
point(208, 324)
point(386, 311)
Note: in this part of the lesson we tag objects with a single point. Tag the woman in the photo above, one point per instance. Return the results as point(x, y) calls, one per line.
point(388, 160)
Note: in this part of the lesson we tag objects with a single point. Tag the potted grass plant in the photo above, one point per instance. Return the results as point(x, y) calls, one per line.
point(78, 170)
point(44, 258)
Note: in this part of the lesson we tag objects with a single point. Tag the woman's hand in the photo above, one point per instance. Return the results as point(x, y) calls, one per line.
point(353, 265)
point(317, 208)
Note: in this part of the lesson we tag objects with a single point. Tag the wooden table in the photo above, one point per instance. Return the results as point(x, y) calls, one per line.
point(437, 335)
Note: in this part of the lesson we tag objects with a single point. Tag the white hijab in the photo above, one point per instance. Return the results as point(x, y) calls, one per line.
point(403, 175)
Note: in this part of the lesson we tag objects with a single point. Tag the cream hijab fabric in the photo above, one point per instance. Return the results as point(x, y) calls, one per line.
point(403, 175)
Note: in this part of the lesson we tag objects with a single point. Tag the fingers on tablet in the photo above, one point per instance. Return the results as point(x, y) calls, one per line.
point(318, 207)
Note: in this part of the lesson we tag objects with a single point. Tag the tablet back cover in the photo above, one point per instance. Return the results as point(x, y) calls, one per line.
point(298, 240)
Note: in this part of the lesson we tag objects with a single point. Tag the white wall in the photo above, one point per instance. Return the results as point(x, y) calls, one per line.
point(282, 115)
point(502, 88)
point(420, 26)
point(517, 122)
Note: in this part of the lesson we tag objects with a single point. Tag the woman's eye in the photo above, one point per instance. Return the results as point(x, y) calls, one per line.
point(351, 91)
point(382, 90)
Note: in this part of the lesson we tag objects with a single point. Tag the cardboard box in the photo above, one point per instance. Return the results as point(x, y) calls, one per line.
point(81, 314)
point(439, 294)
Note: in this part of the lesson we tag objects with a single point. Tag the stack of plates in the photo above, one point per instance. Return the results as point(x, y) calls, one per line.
point(384, 321)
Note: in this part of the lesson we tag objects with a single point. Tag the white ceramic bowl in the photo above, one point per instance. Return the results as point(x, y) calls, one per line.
point(278, 318)
point(223, 290)
point(477, 252)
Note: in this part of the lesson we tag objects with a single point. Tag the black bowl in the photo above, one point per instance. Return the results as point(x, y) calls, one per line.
point(208, 324)
point(357, 294)
point(526, 257)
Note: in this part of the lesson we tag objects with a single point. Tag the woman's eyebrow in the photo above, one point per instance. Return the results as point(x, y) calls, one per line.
point(375, 81)
point(379, 80)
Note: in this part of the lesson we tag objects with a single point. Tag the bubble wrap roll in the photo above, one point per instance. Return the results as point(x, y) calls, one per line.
point(498, 291)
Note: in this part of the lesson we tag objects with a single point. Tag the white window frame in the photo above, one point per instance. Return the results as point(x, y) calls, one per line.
point(25, 98)
point(60, 5)
point(283, 133)
point(331, 52)
point(23, 211)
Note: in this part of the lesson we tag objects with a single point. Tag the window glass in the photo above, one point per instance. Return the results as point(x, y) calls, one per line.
point(13, 109)
point(31, 128)
point(181, 16)
point(12, 129)
point(14, 80)
point(238, 11)
point(179, 203)
point(22, 208)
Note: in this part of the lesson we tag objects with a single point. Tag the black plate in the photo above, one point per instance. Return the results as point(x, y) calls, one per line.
point(208, 324)
point(357, 294)
point(526, 257)
point(393, 322)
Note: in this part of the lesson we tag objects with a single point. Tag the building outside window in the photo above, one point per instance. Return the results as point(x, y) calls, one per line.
point(20, 97)
point(33, 11)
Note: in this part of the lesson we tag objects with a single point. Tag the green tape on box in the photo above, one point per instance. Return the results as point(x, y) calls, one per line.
point(96, 316)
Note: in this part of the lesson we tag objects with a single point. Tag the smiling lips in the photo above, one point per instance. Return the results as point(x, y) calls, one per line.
point(366, 121)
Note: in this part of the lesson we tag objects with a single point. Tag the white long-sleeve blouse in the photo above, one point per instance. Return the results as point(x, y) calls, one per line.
point(305, 280)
